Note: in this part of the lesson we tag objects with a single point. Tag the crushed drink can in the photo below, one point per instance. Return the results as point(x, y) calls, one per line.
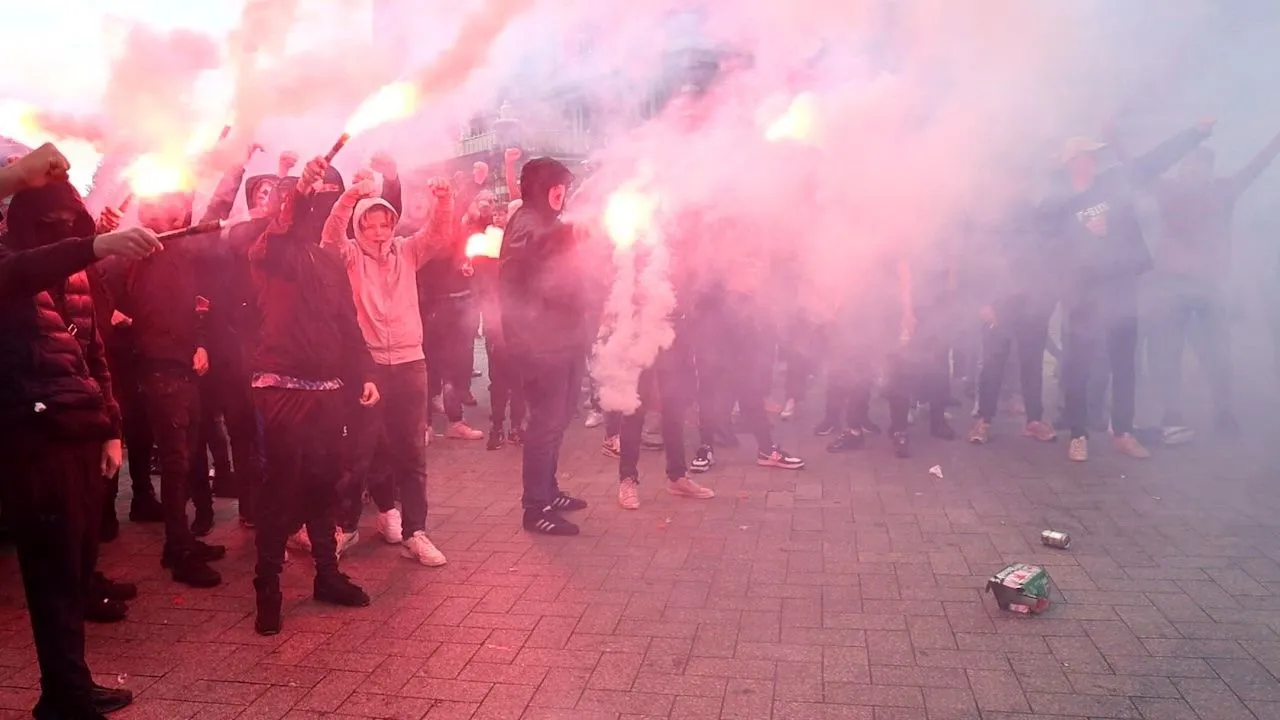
point(1055, 539)
point(1021, 588)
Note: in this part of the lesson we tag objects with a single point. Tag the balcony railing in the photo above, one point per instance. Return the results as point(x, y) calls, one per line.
point(541, 142)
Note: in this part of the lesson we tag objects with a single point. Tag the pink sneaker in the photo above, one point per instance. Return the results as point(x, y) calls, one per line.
point(463, 431)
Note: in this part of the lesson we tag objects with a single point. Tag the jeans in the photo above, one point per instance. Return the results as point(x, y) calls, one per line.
point(302, 432)
point(552, 385)
point(666, 384)
point(1189, 311)
point(505, 388)
point(52, 498)
point(735, 360)
point(396, 427)
point(850, 381)
point(1023, 321)
point(1093, 324)
point(173, 406)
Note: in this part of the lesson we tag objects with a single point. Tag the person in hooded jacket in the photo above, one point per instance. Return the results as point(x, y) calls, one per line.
point(541, 292)
point(310, 348)
point(382, 271)
point(59, 423)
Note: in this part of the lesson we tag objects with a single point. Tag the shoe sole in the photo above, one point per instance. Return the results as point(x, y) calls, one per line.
point(406, 554)
point(625, 506)
point(690, 496)
point(780, 466)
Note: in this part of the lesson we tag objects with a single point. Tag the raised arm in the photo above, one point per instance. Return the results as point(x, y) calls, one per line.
point(433, 240)
point(509, 160)
point(333, 236)
point(1260, 162)
point(1147, 168)
point(27, 272)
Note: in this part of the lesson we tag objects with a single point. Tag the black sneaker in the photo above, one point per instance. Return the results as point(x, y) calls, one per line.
point(703, 460)
point(207, 552)
point(189, 569)
point(497, 439)
point(146, 509)
point(101, 586)
point(941, 429)
point(203, 524)
point(779, 458)
point(847, 442)
point(825, 428)
point(516, 436)
point(269, 620)
point(871, 428)
point(548, 522)
point(337, 589)
point(901, 445)
point(105, 610)
point(109, 700)
point(567, 503)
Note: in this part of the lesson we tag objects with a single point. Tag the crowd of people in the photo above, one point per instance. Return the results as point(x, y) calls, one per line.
point(306, 347)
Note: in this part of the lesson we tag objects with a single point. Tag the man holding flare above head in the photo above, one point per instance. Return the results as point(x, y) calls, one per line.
point(309, 349)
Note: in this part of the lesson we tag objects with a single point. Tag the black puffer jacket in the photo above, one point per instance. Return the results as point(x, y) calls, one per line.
point(52, 363)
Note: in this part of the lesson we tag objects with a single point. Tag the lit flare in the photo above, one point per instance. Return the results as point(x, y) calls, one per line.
point(391, 102)
point(154, 174)
point(628, 217)
point(798, 123)
point(487, 244)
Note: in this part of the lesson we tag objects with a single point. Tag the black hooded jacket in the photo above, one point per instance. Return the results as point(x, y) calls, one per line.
point(540, 285)
point(52, 363)
point(308, 325)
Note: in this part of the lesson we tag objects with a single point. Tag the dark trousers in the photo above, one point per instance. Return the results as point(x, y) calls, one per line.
point(52, 497)
point(173, 405)
point(804, 346)
point(1187, 311)
point(552, 386)
point(666, 386)
point(505, 388)
point(1093, 324)
point(302, 434)
point(126, 383)
point(449, 345)
point(928, 359)
point(210, 440)
point(734, 360)
point(396, 428)
point(1024, 322)
point(850, 381)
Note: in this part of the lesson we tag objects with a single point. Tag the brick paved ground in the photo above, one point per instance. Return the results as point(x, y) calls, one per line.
point(850, 590)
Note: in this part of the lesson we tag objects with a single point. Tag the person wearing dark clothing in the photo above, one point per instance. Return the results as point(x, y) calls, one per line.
point(1017, 315)
point(1102, 252)
point(541, 294)
point(505, 388)
point(160, 296)
point(1193, 260)
point(59, 428)
point(310, 353)
point(878, 316)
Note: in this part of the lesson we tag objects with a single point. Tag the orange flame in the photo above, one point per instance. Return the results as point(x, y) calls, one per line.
point(797, 123)
point(395, 101)
point(628, 217)
point(155, 174)
point(486, 244)
point(21, 122)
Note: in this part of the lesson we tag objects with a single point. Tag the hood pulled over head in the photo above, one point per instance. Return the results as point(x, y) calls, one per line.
point(46, 215)
point(363, 206)
point(536, 180)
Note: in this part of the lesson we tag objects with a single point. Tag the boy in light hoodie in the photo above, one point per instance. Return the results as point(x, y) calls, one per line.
point(382, 269)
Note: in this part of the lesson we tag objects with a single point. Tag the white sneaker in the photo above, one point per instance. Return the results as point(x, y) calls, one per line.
point(390, 527)
point(419, 547)
point(437, 404)
point(595, 419)
point(788, 410)
point(299, 541)
point(462, 431)
point(345, 540)
point(684, 487)
point(629, 494)
point(429, 435)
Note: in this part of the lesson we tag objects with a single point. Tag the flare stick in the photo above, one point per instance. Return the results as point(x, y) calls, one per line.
point(200, 229)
